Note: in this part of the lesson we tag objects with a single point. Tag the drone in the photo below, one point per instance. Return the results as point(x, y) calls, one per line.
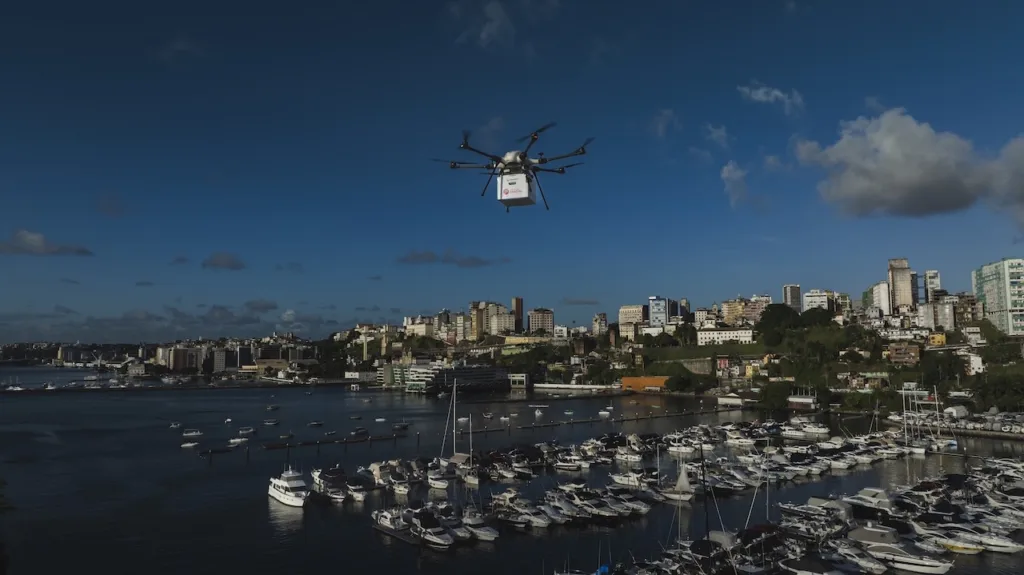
point(517, 172)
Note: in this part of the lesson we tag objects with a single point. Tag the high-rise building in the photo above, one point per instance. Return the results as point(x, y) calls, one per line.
point(901, 287)
point(657, 311)
point(915, 288)
point(541, 319)
point(600, 324)
point(684, 305)
point(932, 282)
point(877, 297)
point(999, 288)
point(791, 296)
point(517, 311)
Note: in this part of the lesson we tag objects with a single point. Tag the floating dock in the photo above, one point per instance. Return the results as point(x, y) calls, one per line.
point(342, 441)
point(621, 420)
point(957, 432)
point(400, 534)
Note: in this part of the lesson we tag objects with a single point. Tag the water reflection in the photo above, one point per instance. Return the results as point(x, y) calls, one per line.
point(286, 520)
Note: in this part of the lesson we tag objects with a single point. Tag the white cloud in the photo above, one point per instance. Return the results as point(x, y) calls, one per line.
point(488, 25)
point(873, 104)
point(288, 316)
point(773, 163)
point(665, 121)
point(700, 153)
point(24, 242)
point(735, 180)
point(791, 103)
point(719, 136)
point(894, 165)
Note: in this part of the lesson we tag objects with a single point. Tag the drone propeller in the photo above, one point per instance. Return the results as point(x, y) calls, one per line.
point(559, 169)
point(536, 133)
point(533, 137)
point(580, 151)
point(567, 166)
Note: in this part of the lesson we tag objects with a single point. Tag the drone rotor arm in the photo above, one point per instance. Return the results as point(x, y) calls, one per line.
point(572, 154)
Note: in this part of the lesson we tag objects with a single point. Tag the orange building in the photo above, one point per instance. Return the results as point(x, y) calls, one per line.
point(647, 383)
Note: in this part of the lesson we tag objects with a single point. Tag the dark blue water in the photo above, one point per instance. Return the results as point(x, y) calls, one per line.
point(100, 483)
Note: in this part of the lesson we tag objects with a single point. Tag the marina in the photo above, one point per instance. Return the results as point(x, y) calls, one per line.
point(183, 495)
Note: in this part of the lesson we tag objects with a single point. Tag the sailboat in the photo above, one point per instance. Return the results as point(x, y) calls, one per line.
point(471, 476)
point(681, 491)
point(457, 460)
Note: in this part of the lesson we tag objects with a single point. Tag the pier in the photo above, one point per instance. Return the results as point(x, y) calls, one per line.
point(621, 420)
point(957, 432)
point(342, 441)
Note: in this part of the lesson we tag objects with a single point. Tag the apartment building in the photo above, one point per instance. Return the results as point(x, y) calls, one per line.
point(541, 319)
point(999, 288)
point(658, 311)
point(816, 298)
point(791, 296)
point(901, 284)
point(635, 314)
point(599, 325)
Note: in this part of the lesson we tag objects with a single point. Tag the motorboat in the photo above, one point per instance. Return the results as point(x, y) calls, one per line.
point(538, 413)
point(604, 413)
point(317, 423)
point(437, 483)
point(270, 422)
point(191, 433)
point(380, 420)
point(428, 528)
point(227, 421)
point(870, 498)
point(189, 444)
point(400, 426)
point(246, 431)
point(238, 440)
point(175, 425)
point(289, 488)
point(568, 412)
point(488, 415)
point(360, 432)
point(899, 558)
point(857, 558)
point(400, 488)
point(462, 420)
point(273, 407)
point(389, 519)
point(482, 532)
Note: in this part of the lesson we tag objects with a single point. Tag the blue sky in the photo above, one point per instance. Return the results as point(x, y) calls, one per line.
point(293, 141)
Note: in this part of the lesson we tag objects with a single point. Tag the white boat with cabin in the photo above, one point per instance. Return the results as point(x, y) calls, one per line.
point(289, 488)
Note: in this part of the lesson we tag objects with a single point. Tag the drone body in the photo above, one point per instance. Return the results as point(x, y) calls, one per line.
point(518, 181)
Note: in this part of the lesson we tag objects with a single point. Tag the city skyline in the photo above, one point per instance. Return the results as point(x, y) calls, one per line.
point(196, 172)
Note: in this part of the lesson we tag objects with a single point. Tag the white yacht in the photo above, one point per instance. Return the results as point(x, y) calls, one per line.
point(237, 440)
point(189, 444)
point(898, 558)
point(815, 429)
point(871, 498)
point(191, 433)
point(290, 488)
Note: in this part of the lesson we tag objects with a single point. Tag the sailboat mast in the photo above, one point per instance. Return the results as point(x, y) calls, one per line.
point(455, 420)
point(704, 487)
point(470, 440)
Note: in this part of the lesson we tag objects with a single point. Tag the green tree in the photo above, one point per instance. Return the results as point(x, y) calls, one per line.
point(686, 334)
point(816, 316)
point(664, 340)
point(775, 395)
point(778, 317)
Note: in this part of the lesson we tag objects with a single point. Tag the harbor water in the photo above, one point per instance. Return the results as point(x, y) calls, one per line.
point(100, 482)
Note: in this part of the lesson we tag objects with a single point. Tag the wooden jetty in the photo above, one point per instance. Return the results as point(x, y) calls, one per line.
point(957, 432)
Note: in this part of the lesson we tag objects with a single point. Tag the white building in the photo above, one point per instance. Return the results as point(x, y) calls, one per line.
point(502, 323)
point(600, 324)
point(999, 287)
point(934, 315)
point(880, 298)
point(726, 335)
point(561, 331)
point(816, 298)
point(420, 329)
